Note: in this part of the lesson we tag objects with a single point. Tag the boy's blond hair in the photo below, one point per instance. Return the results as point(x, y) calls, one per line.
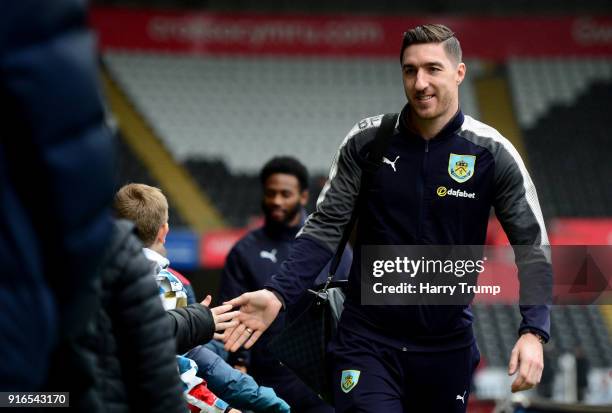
point(144, 205)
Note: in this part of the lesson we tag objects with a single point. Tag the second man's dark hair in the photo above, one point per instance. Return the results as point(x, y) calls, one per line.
point(285, 165)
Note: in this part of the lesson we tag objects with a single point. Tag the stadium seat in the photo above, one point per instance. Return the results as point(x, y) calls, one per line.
point(562, 106)
point(245, 110)
point(496, 327)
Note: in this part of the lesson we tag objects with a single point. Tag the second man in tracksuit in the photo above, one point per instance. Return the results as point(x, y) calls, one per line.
point(256, 257)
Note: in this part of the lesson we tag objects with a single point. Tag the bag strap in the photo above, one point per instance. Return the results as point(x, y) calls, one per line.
point(372, 163)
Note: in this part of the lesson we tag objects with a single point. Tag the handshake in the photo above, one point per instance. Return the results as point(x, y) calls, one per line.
point(243, 327)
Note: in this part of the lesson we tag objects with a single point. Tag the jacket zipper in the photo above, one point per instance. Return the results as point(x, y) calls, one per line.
point(422, 192)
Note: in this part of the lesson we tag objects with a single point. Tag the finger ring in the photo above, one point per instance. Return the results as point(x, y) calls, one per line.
point(248, 330)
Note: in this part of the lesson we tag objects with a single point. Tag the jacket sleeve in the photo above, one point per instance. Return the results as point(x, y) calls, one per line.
point(233, 277)
point(317, 240)
point(145, 345)
point(191, 326)
point(517, 208)
point(238, 389)
point(191, 298)
point(233, 284)
point(345, 263)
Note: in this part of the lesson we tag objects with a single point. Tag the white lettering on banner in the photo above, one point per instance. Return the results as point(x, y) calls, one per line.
point(196, 30)
point(588, 32)
point(205, 29)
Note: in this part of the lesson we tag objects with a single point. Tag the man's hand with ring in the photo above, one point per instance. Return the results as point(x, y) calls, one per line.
point(258, 309)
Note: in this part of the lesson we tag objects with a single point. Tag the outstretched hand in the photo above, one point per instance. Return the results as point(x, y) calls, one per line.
point(258, 309)
point(527, 358)
point(223, 319)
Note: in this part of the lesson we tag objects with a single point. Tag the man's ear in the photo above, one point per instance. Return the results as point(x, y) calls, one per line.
point(161, 234)
point(461, 71)
point(304, 197)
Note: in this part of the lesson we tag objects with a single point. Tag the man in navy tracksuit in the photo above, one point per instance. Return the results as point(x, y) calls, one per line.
point(416, 358)
point(259, 255)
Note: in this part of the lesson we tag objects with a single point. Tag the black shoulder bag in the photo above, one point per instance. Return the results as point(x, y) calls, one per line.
point(301, 346)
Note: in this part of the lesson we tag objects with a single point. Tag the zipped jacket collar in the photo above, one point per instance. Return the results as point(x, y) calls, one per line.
point(451, 128)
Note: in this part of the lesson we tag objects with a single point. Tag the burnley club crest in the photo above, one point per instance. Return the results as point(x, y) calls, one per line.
point(461, 167)
point(349, 380)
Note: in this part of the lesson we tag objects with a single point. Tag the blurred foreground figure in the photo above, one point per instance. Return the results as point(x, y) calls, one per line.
point(129, 328)
point(56, 186)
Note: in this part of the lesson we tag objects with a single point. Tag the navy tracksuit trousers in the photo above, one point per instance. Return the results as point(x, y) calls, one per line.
point(296, 394)
point(391, 380)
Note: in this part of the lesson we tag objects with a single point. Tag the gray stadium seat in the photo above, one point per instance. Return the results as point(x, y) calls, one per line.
point(245, 110)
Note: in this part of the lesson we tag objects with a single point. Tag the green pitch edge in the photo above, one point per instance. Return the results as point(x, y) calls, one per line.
point(179, 186)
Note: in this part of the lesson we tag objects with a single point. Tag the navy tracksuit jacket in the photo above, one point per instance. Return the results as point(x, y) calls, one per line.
point(402, 207)
point(248, 267)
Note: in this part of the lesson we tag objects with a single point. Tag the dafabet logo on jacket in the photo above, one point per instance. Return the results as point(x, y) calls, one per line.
point(349, 380)
point(461, 167)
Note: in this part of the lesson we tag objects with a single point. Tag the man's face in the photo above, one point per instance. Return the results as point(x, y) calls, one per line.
point(283, 199)
point(431, 80)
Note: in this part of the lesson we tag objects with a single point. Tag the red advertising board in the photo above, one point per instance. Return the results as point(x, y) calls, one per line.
point(580, 231)
point(215, 246)
point(493, 38)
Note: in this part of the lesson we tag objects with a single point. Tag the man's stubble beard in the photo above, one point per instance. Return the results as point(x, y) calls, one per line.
point(291, 214)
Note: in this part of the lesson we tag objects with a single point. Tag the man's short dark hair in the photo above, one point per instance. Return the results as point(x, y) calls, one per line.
point(433, 33)
point(285, 165)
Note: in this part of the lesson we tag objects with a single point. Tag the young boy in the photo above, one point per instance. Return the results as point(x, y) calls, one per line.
point(147, 208)
point(193, 324)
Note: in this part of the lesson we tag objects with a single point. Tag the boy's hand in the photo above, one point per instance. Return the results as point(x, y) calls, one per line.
point(222, 318)
point(241, 368)
point(206, 301)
